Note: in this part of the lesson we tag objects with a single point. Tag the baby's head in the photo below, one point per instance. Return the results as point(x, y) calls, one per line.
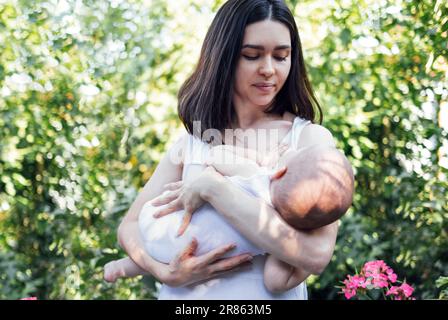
point(300, 199)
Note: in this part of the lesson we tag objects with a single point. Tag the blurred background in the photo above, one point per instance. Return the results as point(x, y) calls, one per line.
point(88, 106)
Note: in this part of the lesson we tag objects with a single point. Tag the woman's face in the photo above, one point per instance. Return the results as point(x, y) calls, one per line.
point(264, 63)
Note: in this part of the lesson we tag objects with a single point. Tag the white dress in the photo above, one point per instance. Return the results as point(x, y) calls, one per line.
point(212, 230)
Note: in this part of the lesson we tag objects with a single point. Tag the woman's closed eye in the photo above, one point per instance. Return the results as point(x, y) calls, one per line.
point(256, 57)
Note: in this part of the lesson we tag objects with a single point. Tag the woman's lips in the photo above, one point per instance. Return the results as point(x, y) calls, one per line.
point(265, 88)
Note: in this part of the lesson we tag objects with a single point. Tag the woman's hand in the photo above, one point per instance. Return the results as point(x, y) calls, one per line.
point(187, 268)
point(187, 196)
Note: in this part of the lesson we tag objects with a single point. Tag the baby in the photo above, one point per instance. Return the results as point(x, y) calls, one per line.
point(288, 189)
point(290, 198)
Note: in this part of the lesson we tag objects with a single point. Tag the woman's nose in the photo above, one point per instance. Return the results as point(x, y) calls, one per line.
point(267, 69)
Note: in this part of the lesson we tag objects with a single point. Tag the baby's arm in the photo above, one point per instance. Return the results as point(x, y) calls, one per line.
point(233, 161)
point(280, 276)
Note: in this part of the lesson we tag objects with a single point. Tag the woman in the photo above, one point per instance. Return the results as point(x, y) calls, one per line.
point(251, 75)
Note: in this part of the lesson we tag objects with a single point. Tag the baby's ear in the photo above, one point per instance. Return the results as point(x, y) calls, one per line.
point(278, 174)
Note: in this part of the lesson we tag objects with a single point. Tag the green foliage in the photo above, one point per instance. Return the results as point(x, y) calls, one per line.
point(88, 104)
point(381, 74)
point(78, 139)
point(442, 283)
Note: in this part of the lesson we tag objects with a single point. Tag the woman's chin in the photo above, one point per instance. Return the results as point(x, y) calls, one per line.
point(263, 102)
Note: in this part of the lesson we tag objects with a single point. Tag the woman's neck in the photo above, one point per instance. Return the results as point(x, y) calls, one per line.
point(249, 116)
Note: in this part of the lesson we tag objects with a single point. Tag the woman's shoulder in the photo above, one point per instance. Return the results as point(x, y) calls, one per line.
point(178, 148)
point(184, 140)
point(181, 140)
point(313, 134)
point(190, 149)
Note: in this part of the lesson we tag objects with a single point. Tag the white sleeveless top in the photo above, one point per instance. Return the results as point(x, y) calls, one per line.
point(212, 230)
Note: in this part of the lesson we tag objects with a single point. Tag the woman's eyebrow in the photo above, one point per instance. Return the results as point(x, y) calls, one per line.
point(253, 46)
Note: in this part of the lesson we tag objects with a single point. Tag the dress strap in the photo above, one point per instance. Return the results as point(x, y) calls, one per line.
point(298, 125)
point(196, 151)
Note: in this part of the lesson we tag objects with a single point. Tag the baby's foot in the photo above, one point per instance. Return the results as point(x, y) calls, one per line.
point(112, 271)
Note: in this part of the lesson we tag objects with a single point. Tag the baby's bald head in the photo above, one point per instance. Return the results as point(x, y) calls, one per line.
point(316, 189)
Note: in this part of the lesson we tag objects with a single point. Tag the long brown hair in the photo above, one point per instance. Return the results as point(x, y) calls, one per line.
point(206, 96)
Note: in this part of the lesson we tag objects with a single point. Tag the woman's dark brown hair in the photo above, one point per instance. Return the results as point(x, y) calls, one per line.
point(206, 96)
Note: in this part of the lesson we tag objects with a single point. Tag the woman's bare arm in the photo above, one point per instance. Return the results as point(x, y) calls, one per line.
point(187, 268)
point(260, 223)
point(168, 170)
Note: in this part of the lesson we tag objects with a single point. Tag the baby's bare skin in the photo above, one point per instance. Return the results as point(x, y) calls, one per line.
point(237, 161)
point(122, 268)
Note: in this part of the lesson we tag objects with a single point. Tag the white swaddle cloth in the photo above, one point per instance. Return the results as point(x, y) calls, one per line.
point(207, 226)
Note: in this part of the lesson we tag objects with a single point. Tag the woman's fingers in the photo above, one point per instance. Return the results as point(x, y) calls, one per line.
point(185, 222)
point(186, 253)
point(173, 185)
point(172, 207)
point(165, 198)
point(214, 254)
point(189, 268)
point(237, 268)
point(229, 263)
point(189, 250)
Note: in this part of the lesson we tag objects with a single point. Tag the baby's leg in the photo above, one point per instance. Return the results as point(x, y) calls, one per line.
point(122, 268)
point(279, 276)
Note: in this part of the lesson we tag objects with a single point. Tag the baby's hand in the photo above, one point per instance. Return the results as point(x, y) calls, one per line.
point(233, 161)
point(223, 155)
point(272, 158)
point(214, 155)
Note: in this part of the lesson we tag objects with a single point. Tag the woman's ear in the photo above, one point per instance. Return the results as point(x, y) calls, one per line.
point(279, 173)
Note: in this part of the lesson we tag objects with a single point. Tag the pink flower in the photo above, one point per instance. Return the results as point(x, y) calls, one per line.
point(391, 275)
point(374, 267)
point(407, 289)
point(351, 285)
point(376, 275)
point(394, 291)
point(349, 293)
point(402, 292)
point(29, 298)
point(358, 281)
